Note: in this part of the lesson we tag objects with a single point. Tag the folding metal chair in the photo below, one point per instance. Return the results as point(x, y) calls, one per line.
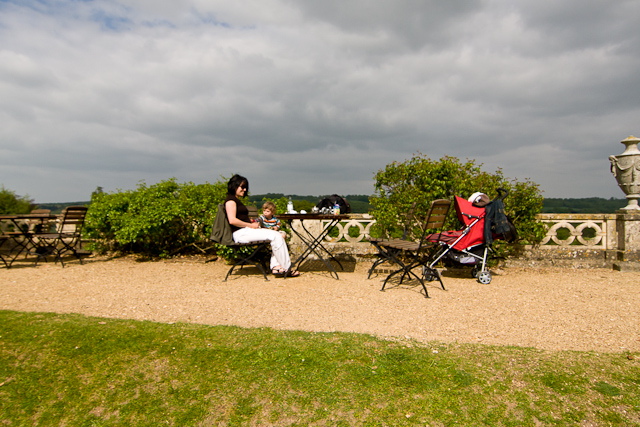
point(409, 255)
point(3, 240)
point(385, 252)
point(254, 256)
point(66, 238)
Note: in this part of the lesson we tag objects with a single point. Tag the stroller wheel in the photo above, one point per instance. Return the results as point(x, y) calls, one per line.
point(484, 277)
point(474, 272)
point(428, 275)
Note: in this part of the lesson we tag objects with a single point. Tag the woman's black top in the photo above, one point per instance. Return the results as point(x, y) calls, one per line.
point(242, 213)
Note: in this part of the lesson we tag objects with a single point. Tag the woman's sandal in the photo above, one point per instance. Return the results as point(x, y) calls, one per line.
point(278, 271)
point(292, 273)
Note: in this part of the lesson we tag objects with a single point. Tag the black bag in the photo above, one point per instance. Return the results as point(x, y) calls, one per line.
point(330, 201)
point(511, 235)
point(497, 223)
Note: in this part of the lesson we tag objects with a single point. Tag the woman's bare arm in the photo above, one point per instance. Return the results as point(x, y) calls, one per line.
point(232, 209)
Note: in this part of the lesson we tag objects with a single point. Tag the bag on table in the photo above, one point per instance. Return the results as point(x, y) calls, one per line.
point(330, 201)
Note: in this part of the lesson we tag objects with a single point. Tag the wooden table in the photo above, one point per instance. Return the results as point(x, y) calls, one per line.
point(313, 243)
point(22, 234)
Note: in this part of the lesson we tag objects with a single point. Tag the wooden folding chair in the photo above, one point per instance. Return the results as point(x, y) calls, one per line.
point(385, 252)
point(24, 232)
point(252, 253)
point(66, 238)
point(4, 239)
point(409, 255)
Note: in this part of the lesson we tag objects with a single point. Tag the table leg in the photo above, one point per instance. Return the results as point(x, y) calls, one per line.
point(21, 238)
point(3, 240)
point(320, 239)
point(313, 243)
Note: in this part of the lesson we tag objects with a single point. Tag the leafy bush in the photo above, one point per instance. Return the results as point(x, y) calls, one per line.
point(157, 220)
point(422, 180)
point(10, 203)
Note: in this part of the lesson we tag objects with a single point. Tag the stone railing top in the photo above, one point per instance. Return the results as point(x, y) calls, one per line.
point(575, 216)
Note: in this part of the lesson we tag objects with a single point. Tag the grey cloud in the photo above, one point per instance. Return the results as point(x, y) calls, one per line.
point(579, 24)
point(312, 97)
point(415, 23)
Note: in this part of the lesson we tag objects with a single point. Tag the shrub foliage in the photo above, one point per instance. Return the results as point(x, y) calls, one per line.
point(169, 218)
point(157, 220)
point(422, 180)
point(11, 203)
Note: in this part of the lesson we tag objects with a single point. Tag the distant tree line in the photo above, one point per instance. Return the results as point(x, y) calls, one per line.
point(11, 203)
point(359, 202)
point(590, 205)
point(57, 208)
point(168, 218)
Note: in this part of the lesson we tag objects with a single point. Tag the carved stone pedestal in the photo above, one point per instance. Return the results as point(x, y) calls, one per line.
point(626, 168)
point(628, 231)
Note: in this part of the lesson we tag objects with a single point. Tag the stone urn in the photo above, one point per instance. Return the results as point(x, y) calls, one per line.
point(626, 168)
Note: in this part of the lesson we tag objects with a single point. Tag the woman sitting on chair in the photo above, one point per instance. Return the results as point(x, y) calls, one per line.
point(245, 231)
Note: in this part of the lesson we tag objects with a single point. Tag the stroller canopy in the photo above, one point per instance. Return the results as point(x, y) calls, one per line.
point(473, 219)
point(471, 235)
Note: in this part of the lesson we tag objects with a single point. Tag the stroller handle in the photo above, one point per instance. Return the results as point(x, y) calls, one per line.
point(502, 194)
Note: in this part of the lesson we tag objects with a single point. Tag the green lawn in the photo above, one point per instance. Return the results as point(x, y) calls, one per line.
point(71, 370)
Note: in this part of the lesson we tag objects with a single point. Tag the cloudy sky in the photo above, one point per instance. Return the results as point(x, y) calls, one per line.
point(312, 97)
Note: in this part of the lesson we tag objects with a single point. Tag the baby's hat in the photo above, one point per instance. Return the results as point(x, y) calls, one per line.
point(479, 199)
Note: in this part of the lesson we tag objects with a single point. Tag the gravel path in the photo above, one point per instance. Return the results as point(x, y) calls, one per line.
point(550, 309)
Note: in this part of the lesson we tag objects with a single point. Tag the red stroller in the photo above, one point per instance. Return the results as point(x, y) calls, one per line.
point(472, 244)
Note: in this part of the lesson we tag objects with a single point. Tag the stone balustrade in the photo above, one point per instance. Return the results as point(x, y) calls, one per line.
point(587, 231)
point(348, 238)
point(587, 240)
point(579, 240)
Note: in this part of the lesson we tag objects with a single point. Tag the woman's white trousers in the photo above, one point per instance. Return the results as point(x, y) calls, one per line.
point(279, 250)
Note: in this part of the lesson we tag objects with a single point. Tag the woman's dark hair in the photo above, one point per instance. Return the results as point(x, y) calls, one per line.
point(235, 182)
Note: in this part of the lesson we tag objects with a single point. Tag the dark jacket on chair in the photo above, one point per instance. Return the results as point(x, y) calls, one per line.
point(221, 232)
point(495, 221)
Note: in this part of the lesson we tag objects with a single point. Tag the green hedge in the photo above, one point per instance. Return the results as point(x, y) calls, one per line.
point(157, 220)
point(422, 180)
point(170, 218)
point(11, 203)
